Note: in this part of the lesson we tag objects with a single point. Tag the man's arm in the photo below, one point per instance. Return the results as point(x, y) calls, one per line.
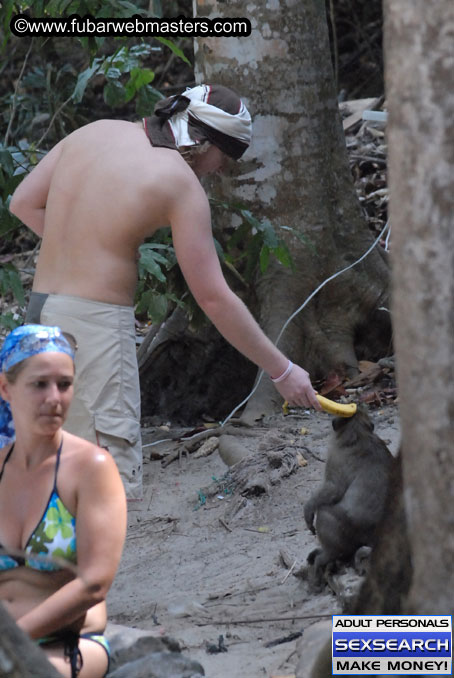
point(30, 197)
point(194, 247)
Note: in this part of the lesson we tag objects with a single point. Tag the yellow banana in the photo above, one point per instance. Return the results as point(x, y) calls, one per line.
point(339, 409)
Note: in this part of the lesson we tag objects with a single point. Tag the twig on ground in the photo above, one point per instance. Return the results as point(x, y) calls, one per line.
point(289, 572)
point(259, 620)
point(224, 524)
point(285, 639)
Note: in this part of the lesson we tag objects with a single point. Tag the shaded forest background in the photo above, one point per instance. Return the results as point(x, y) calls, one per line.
point(38, 78)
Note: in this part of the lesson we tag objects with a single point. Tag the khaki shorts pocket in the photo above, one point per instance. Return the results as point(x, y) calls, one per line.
point(117, 426)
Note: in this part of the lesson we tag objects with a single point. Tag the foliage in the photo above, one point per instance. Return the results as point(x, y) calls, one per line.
point(55, 90)
point(255, 240)
point(160, 282)
point(11, 282)
point(125, 79)
point(55, 85)
point(244, 252)
point(14, 161)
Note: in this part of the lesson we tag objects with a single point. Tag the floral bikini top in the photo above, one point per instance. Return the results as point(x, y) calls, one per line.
point(54, 536)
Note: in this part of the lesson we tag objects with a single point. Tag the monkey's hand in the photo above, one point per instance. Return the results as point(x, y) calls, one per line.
point(309, 515)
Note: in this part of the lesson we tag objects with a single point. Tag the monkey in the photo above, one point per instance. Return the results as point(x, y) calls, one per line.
point(349, 506)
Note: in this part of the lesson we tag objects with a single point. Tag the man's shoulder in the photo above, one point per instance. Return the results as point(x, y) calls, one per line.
point(102, 128)
point(173, 171)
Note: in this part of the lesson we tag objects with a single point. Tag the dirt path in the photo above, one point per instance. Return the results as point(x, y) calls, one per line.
point(204, 566)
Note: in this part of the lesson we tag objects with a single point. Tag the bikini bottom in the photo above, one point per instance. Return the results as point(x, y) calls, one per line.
point(70, 641)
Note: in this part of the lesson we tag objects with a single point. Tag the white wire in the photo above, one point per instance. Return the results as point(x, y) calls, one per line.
point(284, 327)
point(387, 238)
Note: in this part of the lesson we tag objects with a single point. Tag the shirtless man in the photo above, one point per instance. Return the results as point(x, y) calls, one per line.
point(93, 199)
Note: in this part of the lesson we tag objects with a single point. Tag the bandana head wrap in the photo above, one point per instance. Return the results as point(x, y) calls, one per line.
point(20, 344)
point(204, 113)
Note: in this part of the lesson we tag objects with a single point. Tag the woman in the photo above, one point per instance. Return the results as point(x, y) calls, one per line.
point(62, 507)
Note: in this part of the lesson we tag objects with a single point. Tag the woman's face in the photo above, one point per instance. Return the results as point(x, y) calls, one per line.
point(41, 394)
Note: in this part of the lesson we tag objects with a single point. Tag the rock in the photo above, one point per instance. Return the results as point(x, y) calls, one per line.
point(232, 449)
point(314, 651)
point(160, 665)
point(138, 654)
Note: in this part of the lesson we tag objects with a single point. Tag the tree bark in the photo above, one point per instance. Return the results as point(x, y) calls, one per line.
point(19, 656)
point(419, 76)
point(296, 174)
point(186, 376)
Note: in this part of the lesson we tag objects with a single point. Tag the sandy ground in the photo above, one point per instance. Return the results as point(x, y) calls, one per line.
point(202, 570)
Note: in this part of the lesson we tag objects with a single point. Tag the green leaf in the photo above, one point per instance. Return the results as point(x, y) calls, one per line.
point(15, 283)
point(264, 258)
point(6, 279)
point(8, 223)
point(138, 78)
point(6, 161)
point(142, 304)
point(173, 47)
point(8, 321)
point(142, 77)
point(7, 12)
point(57, 7)
point(157, 308)
point(153, 246)
point(154, 304)
point(123, 60)
point(150, 249)
point(241, 233)
point(249, 217)
point(219, 249)
point(112, 73)
point(269, 234)
point(140, 50)
point(283, 255)
point(147, 98)
point(148, 263)
point(114, 93)
point(83, 80)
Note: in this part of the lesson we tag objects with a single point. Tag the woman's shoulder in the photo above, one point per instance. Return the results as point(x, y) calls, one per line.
point(84, 465)
point(85, 454)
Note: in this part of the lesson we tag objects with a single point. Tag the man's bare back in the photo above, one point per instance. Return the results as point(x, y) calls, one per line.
point(109, 189)
point(98, 193)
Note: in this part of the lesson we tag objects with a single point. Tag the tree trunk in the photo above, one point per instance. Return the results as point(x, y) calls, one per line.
point(419, 76)
point(296, 174)
point(186, 376)
point(19, 656)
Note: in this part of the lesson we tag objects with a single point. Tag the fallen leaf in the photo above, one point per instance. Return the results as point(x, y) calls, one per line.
point(301, 460)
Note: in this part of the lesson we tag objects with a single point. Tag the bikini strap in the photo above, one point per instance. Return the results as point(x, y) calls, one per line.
point(57, 464)
point(6, 459)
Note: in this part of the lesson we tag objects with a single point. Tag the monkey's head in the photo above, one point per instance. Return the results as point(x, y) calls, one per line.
point(349, 430)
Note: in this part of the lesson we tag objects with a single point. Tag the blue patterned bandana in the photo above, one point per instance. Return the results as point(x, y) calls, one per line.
point(20, 344)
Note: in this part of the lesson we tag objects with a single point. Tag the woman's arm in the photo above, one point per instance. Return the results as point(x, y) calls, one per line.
point(100, 534)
